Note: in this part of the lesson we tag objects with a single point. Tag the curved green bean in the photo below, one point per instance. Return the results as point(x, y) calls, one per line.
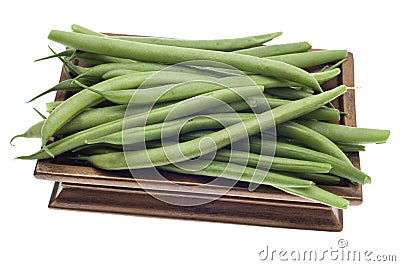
point(217, 45)
point(310, 59)
point(232, 171)
point(170, 55)
point(169, 128)
point(346, 134)
point(311, 139)
point(317, 194)
point(339, 167)
point(278, 49)
point(274, 163)
point(288, 93)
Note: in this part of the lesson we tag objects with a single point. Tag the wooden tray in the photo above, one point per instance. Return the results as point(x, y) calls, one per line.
point(90, 189)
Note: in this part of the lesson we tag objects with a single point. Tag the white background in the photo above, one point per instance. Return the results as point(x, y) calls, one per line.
point(30, 233)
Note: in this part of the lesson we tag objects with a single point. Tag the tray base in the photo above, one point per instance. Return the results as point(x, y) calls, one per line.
point(226, 209)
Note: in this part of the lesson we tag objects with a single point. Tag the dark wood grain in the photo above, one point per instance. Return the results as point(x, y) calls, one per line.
point(79, 187)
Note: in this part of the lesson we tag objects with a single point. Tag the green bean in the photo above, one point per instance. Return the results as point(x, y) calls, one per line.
point(191, 149)
point(67, 53)
point(258, 104)
point(278, 49)
point(339, 168)
point(161, 93)
point(311, 139)
point(236, 172)
point(346, 134)
point(67, 85)
point(50, 106)
point(171, 55)
point(218, 45)
point(85, 98)
point(338, 63)
point(186, 107)
point(169, 128)
point(116, 73)
point(288, 93)
point(32, 132)
point(320, 195)
point(100, 70)
point(320, 179)
point(326, 75)
point(187, 89)
point(101, 58)
point(348, 147)
point(274, 163)
point(309, 59)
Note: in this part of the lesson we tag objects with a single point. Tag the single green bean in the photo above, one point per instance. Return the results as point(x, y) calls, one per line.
point(348, 147)
point(278, 49)
point(346, 134)
point(326, 75)
point(170, 128)
point(274, 163)
point(67, 85)
point(288, 93)
point(339, 168)
point(160, 94)
point(320, 179)
point(310, 59)
point(236, 172)
point(191, 149)
point(32, 132)
point(320, 195)
point(311, 139)
point(171, 55)
point(217, 45)
point(258, 104)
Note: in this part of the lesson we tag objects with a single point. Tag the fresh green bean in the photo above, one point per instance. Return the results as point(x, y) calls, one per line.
point(160, 94)
point(311, 139)
point(288, 93)
point(274, 163)
point(170, 128)
point(191, 149)
point(346, 134)
point(236, 172)
point(67, 85)
point(278, 49)
point(67, 53)
point(320, 179)
point(326, 75)
point(320, 195)
point(50, 106)
point(186, 107)
point(217, 45)
point(310, 59)
point(171, 55)
point(32, 132)
point(258, 104)
point(348, 147)
point(339, 168)
point(100, 70)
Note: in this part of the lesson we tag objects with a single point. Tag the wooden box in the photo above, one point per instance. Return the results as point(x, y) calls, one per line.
point(89, 189)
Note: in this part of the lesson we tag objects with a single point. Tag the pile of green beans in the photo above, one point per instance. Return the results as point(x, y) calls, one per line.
point(142, 102)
